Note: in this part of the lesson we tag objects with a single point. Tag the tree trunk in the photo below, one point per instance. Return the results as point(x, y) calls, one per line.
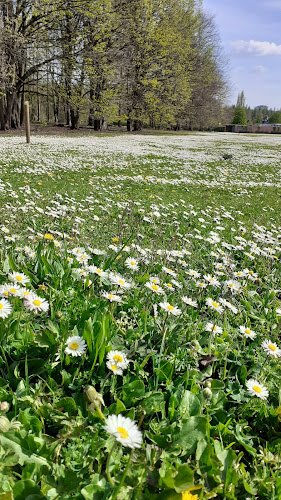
point(137, 125)
point(129, 125)
point(74, 118)
point(2, 113)
point(12, 114)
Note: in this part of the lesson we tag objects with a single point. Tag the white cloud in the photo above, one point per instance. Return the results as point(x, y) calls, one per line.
point(255, 48)
point(259, 69)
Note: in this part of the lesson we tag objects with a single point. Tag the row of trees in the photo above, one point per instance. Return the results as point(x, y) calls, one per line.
point(157, 62)
point(245, 115)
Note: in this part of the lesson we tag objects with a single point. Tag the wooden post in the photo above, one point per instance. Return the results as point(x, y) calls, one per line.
point(27, 121)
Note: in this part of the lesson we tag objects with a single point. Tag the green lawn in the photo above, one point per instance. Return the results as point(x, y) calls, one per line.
point(140, 285)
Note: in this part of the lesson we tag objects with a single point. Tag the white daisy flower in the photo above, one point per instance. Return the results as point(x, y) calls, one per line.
point(169, 271)
point(35, 303)
point(255, 388)
point(25, 293)
point(169, 287)
point(116, 279)
point(193, 273)
point(155, 280)
point(212, 280)
point(78, 251)
point(97, 270)
point(201, 284)
point(111, 297)
point(174, 310)
point(19, 278)
point(210, 327)
point(5, 308)
point(75, 346)
point(125, 430)
point(247, 332)
point(10, 290)
point(113, 366)
point(189, 301)
point(269, 347)
point(132, 263)
point(118, 358)
point(215, 306)
point(230, 306)
point(155, 288)
point(233, 285)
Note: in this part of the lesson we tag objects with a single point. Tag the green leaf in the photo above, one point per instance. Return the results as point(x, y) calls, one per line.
point(153, 403)
point(12, 442)
point(95, 490)
point(66, 405)
point(191, 431)
point(132, 391)
point(184, 478)
point(24, 489)
point(229, 475)
point(190, 405)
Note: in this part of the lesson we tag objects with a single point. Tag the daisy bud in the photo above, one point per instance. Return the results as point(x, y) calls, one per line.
point(4, 424)
point(4, 406)
point(207, 393)
point(207, 383)
point(93, 397)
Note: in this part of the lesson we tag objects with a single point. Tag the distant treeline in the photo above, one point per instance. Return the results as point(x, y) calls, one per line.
point(155, 63)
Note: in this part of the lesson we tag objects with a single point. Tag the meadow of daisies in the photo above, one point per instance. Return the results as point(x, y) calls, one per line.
point(140, 316)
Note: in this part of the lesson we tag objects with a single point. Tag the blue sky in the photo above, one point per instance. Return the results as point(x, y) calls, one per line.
point(250, 32)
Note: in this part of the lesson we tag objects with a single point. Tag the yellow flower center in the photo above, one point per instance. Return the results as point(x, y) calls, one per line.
point(5, 293)
point(185, 495)
point(110, 296)
point(48, 236)
point(251, 272)
point(230, 285)
point(123, 433)
point(122, 282)
point(133, 263)
point(18, 278)
point(98, 271)
point(37, 302)
point(74, 346)
point(215, 304)
point(169, 285)
point(1, 306)
point(13, 290)
point(155, 287)
point(117, 358)
point(247, 331)
point(113, 367)
point(256, 388)
point(272, 347)
point(171, 308)
point(170, 270)
point(201, 284)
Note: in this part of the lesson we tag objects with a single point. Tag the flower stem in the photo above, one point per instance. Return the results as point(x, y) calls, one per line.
point(114, 496)
point(107, 464)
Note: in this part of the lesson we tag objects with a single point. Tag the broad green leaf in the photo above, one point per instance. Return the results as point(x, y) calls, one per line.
point(184, 478)
point(190, 405)
point(191, 431)
point(24, 489)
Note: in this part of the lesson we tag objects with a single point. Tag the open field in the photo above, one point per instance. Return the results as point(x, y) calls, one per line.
point(140, 278)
